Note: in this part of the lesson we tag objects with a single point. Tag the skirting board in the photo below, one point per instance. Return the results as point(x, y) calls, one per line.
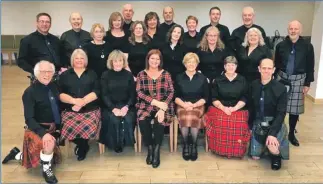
point(316, 101)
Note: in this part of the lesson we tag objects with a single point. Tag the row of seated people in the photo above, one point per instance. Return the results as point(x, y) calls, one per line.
point(149, 102)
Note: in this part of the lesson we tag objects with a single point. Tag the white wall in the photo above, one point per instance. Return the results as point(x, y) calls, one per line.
point(19, 17)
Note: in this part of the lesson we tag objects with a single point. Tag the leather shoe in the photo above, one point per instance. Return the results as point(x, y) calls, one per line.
point(186, 152)
point(194, 154)
point(293, 140)
point(149, 159)
point(11, 156)
point(49, 175)
point(156, 156)
point(276, 162)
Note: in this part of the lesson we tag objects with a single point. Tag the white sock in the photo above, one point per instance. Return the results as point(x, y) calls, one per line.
point(46, 158)
point(18, 156)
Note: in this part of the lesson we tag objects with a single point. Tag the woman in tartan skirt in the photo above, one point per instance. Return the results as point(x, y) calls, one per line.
point(81, 117)
point(227, 120)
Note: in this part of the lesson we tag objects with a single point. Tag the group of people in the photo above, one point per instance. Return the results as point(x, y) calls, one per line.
point(101, 84)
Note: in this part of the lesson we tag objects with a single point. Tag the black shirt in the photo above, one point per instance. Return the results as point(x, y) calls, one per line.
point(119, 43)
point(126, 27)
point(173, 59)
point(157, 41)
point(137, 57)
point(37, 107)
point(190, 42)
point(118, 89)
point(224, 33)
point(248, 65)
point(34, 48)
point(71, 40)
point(76, 87)
point(237, 36)
point(211, 63)
point(304, 58)
point(229, 93)
point(275, 103)
point(163, 30)
point(191, 90)
point(95, 60)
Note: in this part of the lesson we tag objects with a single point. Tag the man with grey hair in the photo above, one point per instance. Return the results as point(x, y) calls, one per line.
point(237, 36)
point(295, 61)
point(127, 13)
point(74, 38)
point(42, 118)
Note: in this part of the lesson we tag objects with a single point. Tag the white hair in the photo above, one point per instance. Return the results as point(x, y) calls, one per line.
point(77, 52)
point(36, 68)
point(261, 39)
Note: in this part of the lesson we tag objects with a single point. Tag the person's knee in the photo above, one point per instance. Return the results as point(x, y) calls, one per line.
point(49, 147)
point(273, 149)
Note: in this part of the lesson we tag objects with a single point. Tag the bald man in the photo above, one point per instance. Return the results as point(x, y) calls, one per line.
point(74, 38)
point(237, 36)
point(127, 13)
point(168, 14)
point(294, 58)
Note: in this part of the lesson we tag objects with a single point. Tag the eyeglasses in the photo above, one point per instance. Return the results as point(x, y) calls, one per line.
point(44, 22)
point(46, 72)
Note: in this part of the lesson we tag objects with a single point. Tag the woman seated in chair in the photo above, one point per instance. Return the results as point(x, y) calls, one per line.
point(192, 92)
point(155, 94)
point(227, 120)
point(81, 118)
point(118, 95)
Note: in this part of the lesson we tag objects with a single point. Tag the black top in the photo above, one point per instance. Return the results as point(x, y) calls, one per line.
point(95, 60)
point(224, 33)
point(163, 30)
point(37, 107)
point(126, 27)
point(71, 40)
point(157, 40)
point(76, 87)
point(237, 36)
point(119, 43)
point(248, 65)
point(34, 48)
point(137, 57)
point(173, 59)
point(190, 42)
point(191, 90)
point(275, 103)
point(304, 58)
point(211, 63)
point(229, 93)
point(118, 88)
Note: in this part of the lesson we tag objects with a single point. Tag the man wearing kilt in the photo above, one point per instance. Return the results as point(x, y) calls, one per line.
point(294, 58)
point(42, 118)
point(267, 102)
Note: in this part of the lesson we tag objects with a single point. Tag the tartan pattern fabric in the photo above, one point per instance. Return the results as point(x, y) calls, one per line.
point(227, 135)
point(160, 89)
point(193, 118)
point(85, 125)
point(32, 146)
point(295, 104)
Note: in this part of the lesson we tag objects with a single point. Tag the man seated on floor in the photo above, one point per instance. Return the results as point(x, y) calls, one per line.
point(42, 118)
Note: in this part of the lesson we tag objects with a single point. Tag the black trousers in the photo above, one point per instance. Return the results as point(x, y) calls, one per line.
point(153, 134)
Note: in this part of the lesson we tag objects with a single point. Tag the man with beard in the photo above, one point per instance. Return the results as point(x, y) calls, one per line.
point(127, 13)
point(294, 58)
point(74, 38)
point(238, 35)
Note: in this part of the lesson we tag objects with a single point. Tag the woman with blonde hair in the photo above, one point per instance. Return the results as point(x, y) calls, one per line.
point(118, 96)
point(250, 53)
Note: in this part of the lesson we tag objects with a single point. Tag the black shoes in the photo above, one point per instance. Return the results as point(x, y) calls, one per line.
point(156, 156)
point(276, 162)
point(11, 156)
point(292, 139)
point(48, 174)
point(186, 152)
point(194, 154)
point(118, 149)
point(81, 152)
point(149, 159)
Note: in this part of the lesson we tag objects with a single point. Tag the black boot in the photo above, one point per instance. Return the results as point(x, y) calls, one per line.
point(276, 162)
point(82, 151)
point(186, 152)
point(156, 156)
point(11, 156)
point(292, 139)
point(149, 159)
point(194, 152)
point(48, 174)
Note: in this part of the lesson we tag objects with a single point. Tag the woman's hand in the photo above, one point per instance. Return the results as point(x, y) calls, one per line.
point(160, 116)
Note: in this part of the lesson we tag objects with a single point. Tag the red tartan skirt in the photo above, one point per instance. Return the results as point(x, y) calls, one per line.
point(85, 125)
point(32, 146)
point(227, 135)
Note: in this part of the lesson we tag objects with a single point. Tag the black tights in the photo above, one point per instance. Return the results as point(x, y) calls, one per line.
point(147, 130)
point(292, 123)
point(194, 133)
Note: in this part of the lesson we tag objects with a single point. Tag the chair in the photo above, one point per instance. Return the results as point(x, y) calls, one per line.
point(7, 46)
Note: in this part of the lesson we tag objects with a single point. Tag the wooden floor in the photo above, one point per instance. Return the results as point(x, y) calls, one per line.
point(305, 165)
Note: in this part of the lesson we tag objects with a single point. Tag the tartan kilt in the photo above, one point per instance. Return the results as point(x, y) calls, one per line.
point(85, 125)
point(193, 118)
point(32, 146)
point(227, 135)
point(295, 104)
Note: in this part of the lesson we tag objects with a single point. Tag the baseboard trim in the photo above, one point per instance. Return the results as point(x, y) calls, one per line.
point(316, 101)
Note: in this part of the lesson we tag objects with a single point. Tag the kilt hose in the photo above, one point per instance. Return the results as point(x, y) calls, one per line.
point(227, 135)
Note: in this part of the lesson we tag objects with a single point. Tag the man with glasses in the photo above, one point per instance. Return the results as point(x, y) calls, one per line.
point(39, 45)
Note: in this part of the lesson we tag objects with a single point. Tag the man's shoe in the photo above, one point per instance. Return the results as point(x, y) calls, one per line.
point(11, 156)
point(48, 174)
